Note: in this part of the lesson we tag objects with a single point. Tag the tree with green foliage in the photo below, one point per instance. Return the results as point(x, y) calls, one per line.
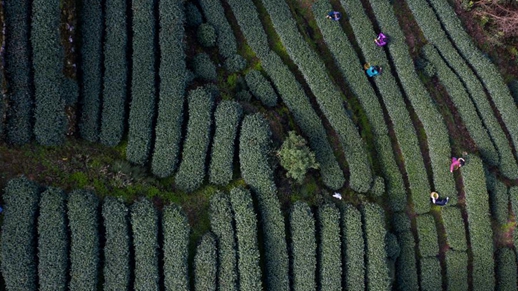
point(296, 157)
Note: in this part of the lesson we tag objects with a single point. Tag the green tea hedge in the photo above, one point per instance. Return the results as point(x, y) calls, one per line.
point(221, 223)
point(353, 252)
point(144, 226)
point(261, 88)
point(53, 242)
point(191, 171)
point(455, 228)
point(227, 118)
point(246, 236)
point(173, 80)
point(505, 270)
point(18, 245)
point(204, 68)
point(116, 249)
point(176, 231)
point(84, 240)
point(457, 270)
point(329, 248)
point(498, 198)
point(18, 64)
point(427, 233)
point(143, 91)
point(215, 15)
point(303, 247)
point(406, 265)
point(430, 274)
point(205, 264)
point(115, 78)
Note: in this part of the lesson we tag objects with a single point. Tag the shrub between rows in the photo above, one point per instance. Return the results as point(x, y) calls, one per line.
point(144, 225)
point(142, 109)
point(204, 67)
point(176, 230)
point(329, 248)
point(430, 274)
point(205, 264)
point(406, 265)
point(117, 246)
point(191, 172)
point(215, 15)
point(479, 224)
point(432, 30)
point(84, 243)
point(91, 26)
point(505, 270)
point(457, 270)
point(227, 117)
point(394, 103)
point(427, 233)
point(434, 126)
point(353, 252)
point(17, 63)
point(261, 88)
point(498, 198)
point(464, 106)
point(327, 94)
point(454, 226)
point(115, 73)
point(345, 55)
point(254, 148)
point(18, 245)
point(52, 241)
point(50, 120)
point(221, 223)
point(290, 91)
point(173, 74)
point(303, 247)
point(246, 236)
point(485, 69)
point(373, 222)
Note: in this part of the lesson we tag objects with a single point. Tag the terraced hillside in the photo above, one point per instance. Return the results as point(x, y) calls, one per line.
point(164, 120)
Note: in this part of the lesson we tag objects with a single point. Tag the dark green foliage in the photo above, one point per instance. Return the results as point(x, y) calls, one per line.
point(115, 73)
point(21, 199)
point(246, 235)
point(84, 243)
point(377, 273)
point(457, 270)
point(206, 35)
point(328, 96)
point(204, 68)
point(423, 105)
point(401, 222)
point(505, 270)
point(329, 248)
point(406, 265)
point(227, 117)
point(290, 91)
point(191, 172)
point(215, 15)
point(193, 15)
point(176, 230)
point(17, 64)
point(52, 241)
point(205, 264)
point(235, 64)
point(50, 120)
point(396, 108)
point(465, 108)
point(244, 96)
point(254, 150)
point(261, 88)
point(144, 226)
point(392, 246)
point(296, 157)
point(91, 26)
point(479, 223)
point(454, 226)
point(344, 55)
point(142, 108)
point(430, 274)
point(303, 247)
point(353, 249)
point(378, 186)
point(173, 80)
point(498, 198)
point(117, 246)
point(427, 233)
point(221, 223)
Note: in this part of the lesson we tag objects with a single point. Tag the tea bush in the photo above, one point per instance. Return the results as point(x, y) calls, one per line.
point(205, 264)
point(204, 68)
point(430, 274)
point(206, 35)
point(192, 15)
point(261, 88)
point(353, 252)
point(427, 233)
point(406, 265)
point(457, 270)
point(505, 269)
point(329, 248)
point(176, 231)
point(235, 63)
point(498, 199)
point(303, 247)
point(455, 230)
point(215, 15)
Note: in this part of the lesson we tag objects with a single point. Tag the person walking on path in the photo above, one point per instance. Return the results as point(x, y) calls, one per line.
point(334, 15)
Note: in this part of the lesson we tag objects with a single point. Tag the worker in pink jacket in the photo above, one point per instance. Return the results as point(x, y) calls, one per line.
point(456, 163)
